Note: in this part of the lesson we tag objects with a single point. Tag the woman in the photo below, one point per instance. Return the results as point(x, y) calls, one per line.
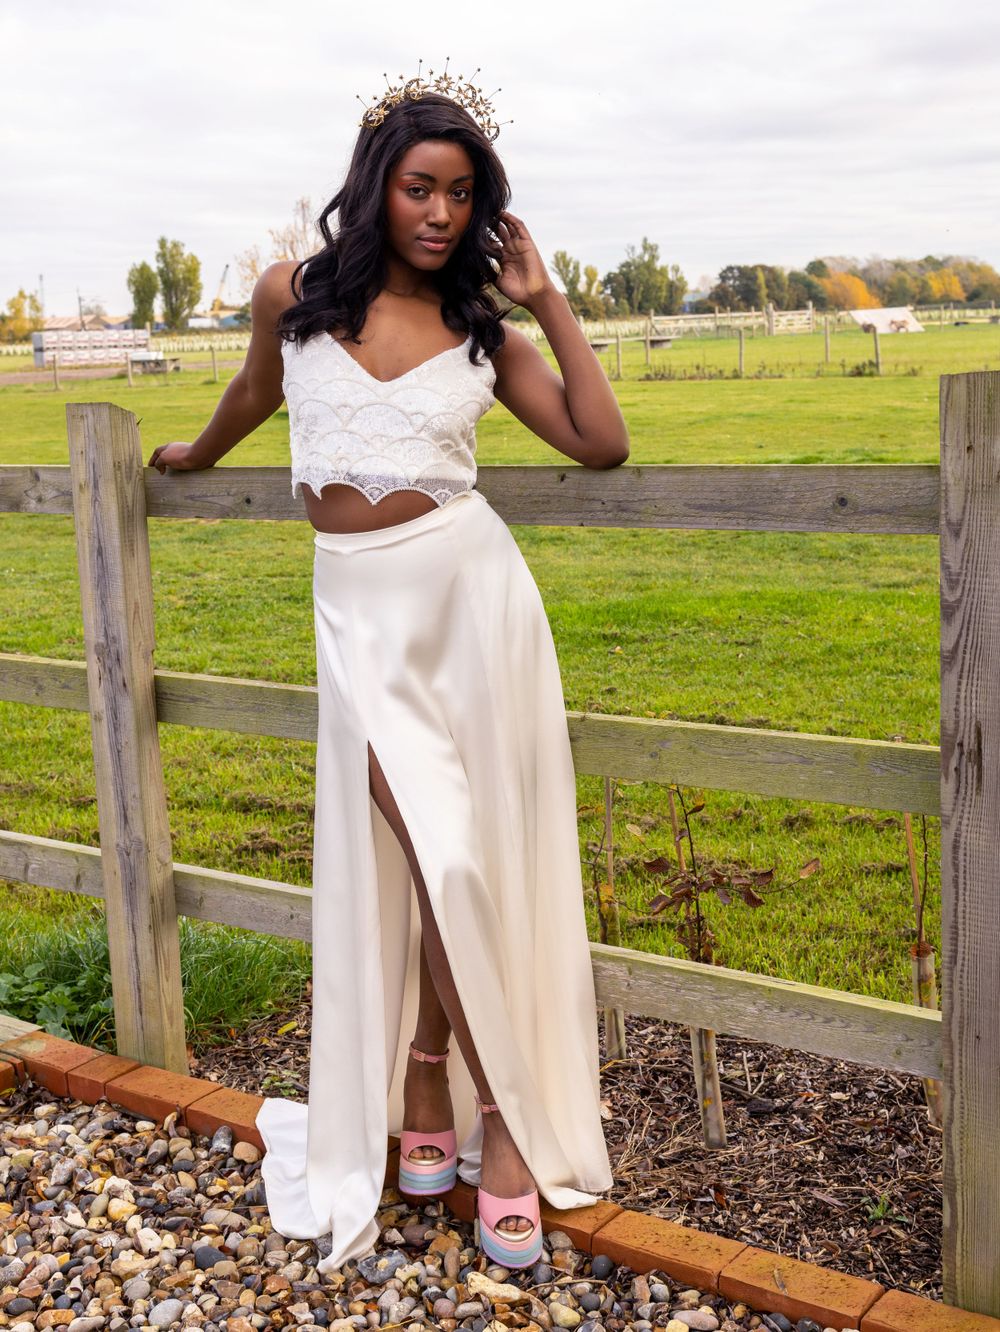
point(447, 894)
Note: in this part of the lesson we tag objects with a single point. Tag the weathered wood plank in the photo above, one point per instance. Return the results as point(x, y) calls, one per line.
point(12, 1027)
point(793, 1016)
point(771, 497)
point(282, 909)
point(970, 835)
point(827, 1022)
point(116, 594)
point(876, 774)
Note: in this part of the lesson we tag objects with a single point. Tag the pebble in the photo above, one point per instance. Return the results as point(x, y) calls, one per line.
point(118, 1228)
point(165, 1313)
point(697, 1319)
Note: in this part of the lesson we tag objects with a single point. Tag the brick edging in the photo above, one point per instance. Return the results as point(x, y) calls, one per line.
point(767, 1282)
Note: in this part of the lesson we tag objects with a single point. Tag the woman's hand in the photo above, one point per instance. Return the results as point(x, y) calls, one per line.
point(176, 456)
point(523, 275)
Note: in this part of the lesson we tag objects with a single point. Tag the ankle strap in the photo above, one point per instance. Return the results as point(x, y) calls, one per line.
point(485, 1107)
point(427, 1058)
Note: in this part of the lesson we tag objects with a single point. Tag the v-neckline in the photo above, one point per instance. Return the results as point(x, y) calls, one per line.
point(406, 373)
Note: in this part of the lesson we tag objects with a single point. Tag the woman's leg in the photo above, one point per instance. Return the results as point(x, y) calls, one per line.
point(503, 1169)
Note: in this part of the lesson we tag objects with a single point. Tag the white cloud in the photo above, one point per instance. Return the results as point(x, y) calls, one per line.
point(725, 132)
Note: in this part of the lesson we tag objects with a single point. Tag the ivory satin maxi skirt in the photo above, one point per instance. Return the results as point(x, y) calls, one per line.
point(432, 644)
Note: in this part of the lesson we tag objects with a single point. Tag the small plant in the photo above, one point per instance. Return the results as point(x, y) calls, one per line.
point(64, 1008)
point(863, 368)
point(882, 1210)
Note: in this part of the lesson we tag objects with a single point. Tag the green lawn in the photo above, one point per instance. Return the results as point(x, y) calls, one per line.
point(821, 633)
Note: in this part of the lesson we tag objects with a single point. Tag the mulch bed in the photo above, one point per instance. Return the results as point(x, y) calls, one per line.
point(829, 1162)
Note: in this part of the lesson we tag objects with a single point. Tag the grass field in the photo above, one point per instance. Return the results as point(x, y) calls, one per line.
point(828, 634)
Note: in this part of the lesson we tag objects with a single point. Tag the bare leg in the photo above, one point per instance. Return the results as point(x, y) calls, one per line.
point(503, 1169)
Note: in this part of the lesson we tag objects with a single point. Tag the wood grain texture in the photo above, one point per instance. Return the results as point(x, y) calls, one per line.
point(845, 770)
point(764, 497)
point(788, 1014)
point(116, 594)
point(970, 835)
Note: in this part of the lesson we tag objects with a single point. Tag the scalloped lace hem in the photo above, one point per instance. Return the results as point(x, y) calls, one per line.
point(375, 488)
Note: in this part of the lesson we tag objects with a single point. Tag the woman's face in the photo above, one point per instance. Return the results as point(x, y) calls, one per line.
point(428, 200)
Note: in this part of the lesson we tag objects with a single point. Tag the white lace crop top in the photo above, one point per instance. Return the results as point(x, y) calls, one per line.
point(414, 432)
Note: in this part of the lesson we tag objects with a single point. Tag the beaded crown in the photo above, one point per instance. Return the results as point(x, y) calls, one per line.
point(458, 88)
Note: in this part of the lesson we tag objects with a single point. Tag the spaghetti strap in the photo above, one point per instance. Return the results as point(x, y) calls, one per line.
point(432, 645)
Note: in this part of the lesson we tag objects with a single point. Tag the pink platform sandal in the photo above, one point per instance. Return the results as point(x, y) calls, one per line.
point(508, 1248)
point(427, 1176)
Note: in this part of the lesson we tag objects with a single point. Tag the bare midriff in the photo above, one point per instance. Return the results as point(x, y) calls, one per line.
point(341, 508)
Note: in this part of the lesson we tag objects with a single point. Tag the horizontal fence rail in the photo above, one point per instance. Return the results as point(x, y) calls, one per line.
point(839, 770)
point(834, 1023)
point(857, 498)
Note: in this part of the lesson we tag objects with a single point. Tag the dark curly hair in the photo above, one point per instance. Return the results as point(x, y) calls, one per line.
point(345, 276)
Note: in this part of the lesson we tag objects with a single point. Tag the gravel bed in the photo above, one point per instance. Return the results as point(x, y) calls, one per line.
point(112, 1222)
point(828, 1162)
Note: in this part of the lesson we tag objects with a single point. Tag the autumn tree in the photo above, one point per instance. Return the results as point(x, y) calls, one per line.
point(22, 317)
point(846, 291)
point(144, 286)
point(180, 282)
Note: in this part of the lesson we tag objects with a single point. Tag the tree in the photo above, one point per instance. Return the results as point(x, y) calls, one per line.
point(180, 282)
point(567, 270)
point(22, 317)
point(847, 291)
point(593, 304)
point(144, 286)
point(945, 285)
point(803, 287)
point(298, 240)
point(817, 268)
point(675, 288)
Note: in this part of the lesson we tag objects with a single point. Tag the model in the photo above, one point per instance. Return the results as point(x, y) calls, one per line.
point(447, 890)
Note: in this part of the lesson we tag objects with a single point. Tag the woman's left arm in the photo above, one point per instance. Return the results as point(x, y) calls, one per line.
point(578, 414)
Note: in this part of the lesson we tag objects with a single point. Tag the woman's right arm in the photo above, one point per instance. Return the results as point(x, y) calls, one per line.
point(254, 393)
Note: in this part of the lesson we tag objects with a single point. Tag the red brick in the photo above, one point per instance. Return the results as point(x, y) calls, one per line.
point(155, 1093)
point(47, 1058)
point(87, 1082)
point(461, 1200)
point(898, 1311)
point(224, 1106)
point(774, 1284)
point(20, 1072)
point(651, 1243)
point(8, 1076)
point(580, 1223)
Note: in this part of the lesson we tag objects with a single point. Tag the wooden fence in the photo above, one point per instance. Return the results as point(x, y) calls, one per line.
point(111, 495)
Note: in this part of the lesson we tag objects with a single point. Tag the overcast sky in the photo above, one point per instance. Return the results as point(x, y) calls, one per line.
point(726, 131)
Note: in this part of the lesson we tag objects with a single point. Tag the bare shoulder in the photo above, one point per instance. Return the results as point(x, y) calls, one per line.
point(273, 291)
point(514, 346)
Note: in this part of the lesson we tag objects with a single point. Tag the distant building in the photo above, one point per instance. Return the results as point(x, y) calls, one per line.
point(91, 323)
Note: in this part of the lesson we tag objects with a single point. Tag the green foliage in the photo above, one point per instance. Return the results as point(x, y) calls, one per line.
point(804, 287)
point(641, 283)
point(817, 268)
point(144, 285)
point(60, 978)
point(568, 272)
point(180, 282)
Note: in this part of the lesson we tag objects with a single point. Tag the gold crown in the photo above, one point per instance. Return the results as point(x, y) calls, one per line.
point(460, 90)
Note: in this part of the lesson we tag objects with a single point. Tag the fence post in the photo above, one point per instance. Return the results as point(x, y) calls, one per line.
point(878, 352)
point(970, 835)
point(116, 595)
point(741, 336)
point(826, 339)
